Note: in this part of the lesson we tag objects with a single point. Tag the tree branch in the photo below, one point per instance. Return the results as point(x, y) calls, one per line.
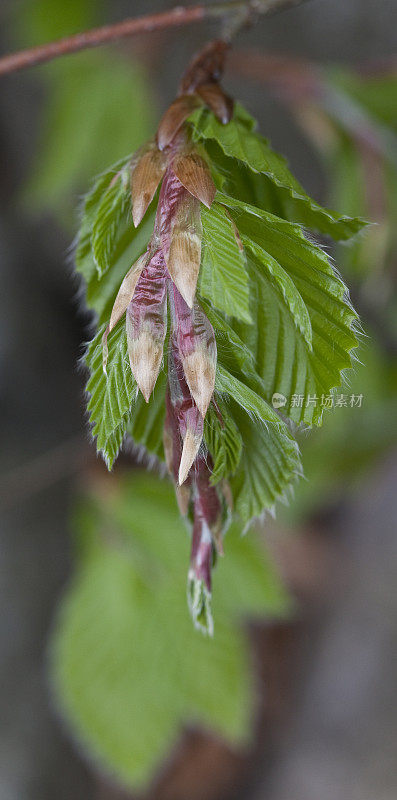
point(242, 11)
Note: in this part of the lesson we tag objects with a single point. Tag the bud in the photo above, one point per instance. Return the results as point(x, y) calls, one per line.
point(197, 348)
point(200, 368)
point(184, 255)
point(202, 552)
point(145, 353)
point(208, 502)
point(205, 67)
point(174, 117)
point(122, 301)
point(194, 174)
point(216, 99)
point(183, 419)
point(199, 601)
point(145, 179)
point(192, 429)
point(146, 324)
point(173, 450)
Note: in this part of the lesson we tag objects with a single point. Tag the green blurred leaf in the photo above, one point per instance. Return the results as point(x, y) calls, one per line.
point(375, 93)
point(99, 108)
point(128, 669)
point(38, 21)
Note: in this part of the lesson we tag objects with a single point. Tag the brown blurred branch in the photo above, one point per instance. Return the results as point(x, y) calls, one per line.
point(239, 12)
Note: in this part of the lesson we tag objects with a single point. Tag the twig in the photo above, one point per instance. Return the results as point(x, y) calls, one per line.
point(244, 11)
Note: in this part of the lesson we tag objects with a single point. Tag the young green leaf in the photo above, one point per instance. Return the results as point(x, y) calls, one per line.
point(223, 277)
point(84, 260)
point(269, 466)
point(240, 142)
point(224, 443)
point(145, 426)
point(283, 358)
point(246, 397)
point(111, 394)
point(281, 280)
point(115, 201)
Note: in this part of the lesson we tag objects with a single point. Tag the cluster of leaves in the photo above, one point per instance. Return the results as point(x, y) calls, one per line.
point(125, 690)
point(282, 317)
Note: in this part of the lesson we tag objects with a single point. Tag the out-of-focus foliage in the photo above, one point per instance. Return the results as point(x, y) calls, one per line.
point(352, 439)
point(128, 668)
point(354, 125)
point(98, 106)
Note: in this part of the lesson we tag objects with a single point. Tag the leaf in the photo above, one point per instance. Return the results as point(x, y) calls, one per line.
point(281, 280)
point(114, 203)
point(146, 424)
point(128, 670)
point(240, 142)
point(224, 442)
point(224, 278)
point(84, 261)
point(269, 466)
point(111, 395)
point(375, 93)
point(283, 359)
point(246, 397)
point(270, 462)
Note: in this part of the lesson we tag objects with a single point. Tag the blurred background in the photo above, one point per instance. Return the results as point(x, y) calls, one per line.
point(322, 82)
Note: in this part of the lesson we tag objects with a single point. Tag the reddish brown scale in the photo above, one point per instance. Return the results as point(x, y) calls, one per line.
point(215, 98)
point(172, 193)
point(150, 294)
point(202, 553)
point(173, 450)
point(192, 327)
point(207, 523)
point(196, 344)
point(146, 324)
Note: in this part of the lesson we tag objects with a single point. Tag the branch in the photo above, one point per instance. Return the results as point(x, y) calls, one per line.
point(242, 11)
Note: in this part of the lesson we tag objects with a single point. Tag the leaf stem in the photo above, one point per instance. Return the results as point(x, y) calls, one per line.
point(244, 10)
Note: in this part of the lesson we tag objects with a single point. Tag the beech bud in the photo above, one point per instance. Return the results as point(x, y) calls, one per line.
point(197, 348)
point(122, 301)
point(145, 178)
point(193, 172)
point(146, 324)
point(174, 117)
